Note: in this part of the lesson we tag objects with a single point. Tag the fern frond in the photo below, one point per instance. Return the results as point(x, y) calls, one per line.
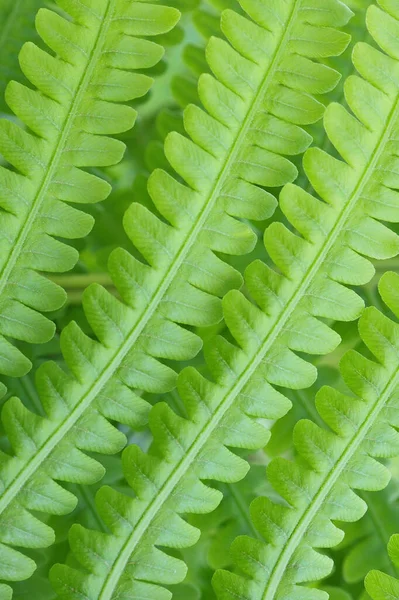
point(381, 586)
point(182, 280)
point(17, 19)
point(317, 489)
point(79, 100)
point(344, 65)
point(336, 236)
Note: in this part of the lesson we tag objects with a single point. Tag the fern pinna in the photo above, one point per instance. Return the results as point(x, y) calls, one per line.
point(337, 234)
point(317, 489)
point(168, 480)
point(182, 280)
point(332, 461)
point(80, 99)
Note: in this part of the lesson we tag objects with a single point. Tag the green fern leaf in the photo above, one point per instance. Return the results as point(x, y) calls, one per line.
point(381, 586)
point(318, 487)
point(5, 592)
point(79, 101)
point(17, 19)
point(182, 282)
point(336, 236)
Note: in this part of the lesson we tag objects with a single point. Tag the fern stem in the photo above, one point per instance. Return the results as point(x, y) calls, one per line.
point(91, 391)
point(182, 467)
point(243, 510)
point(326, 486)
point(59, 148)
point(234, 492)
point(88, 499)
point(308, 406)
point(75, 285)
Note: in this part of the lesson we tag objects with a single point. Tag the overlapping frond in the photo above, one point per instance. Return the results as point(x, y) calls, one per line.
point(184, 86)
point(381, 586)
point(317, 489)
point(315, 267)
point(182, 278)
point(82, 84)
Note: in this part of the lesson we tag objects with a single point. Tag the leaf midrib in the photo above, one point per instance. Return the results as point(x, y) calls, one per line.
point(205, 433)
point(105, 375)
point(112, 578)
point(328, 482)
point(29, 468)
point(53, 163)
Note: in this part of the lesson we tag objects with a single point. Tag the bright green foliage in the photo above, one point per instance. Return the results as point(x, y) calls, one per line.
point(230, 519)
point(318, 487)
point(363, 427)
point(185, 85)
point(381, 586)
point(336, 234)
point(80, 100)
point(269, 68)
point(182, 281)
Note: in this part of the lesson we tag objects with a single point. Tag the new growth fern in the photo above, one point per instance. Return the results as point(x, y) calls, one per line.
point(254, 102)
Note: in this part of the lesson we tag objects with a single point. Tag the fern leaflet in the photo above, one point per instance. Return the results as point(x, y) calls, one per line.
point(318, 486)
point(336, 236)
point(369, 541)
point(182, 280)
point(80, 100)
